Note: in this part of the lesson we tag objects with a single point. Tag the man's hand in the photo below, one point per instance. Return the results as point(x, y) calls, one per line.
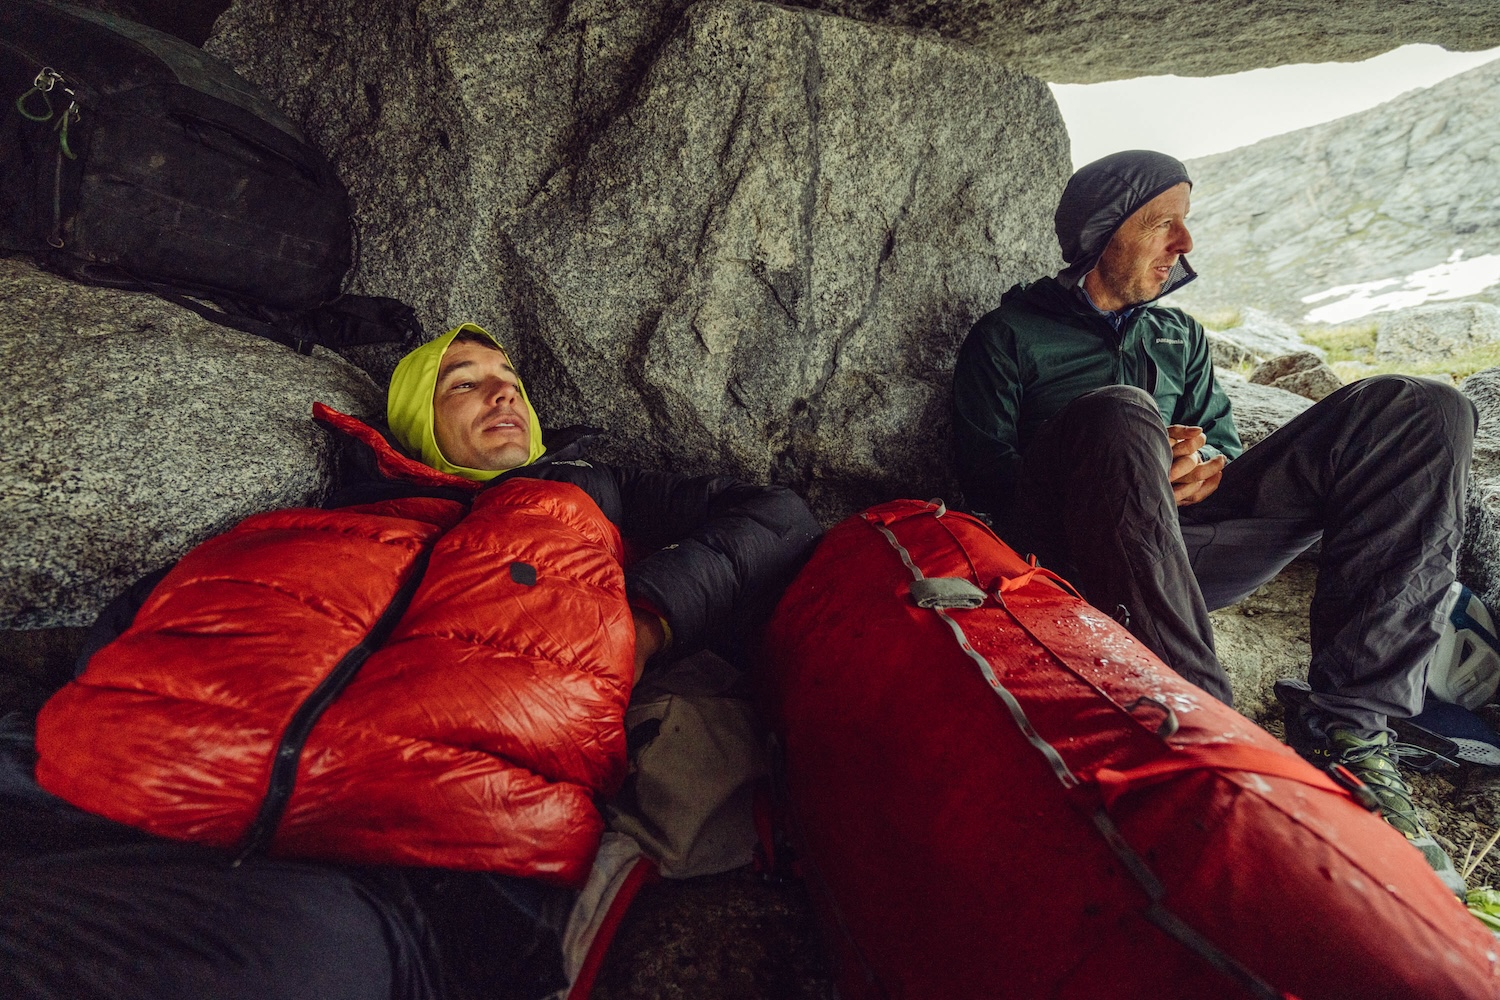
point(649, 638)
point(1192, 479)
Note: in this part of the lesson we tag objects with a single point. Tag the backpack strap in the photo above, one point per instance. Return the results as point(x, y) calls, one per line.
point(347, 321)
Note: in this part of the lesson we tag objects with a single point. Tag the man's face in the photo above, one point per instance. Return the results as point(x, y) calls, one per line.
point(1140, 255)
point(480, 420)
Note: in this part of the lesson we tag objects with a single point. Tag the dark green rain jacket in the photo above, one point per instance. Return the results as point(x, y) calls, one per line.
point(1043, 348)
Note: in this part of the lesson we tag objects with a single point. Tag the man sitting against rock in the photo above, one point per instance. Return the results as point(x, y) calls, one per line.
point(419, 689)
point(1089, 426)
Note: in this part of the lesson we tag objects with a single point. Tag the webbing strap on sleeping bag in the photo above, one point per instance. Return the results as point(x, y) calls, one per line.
point(1169, 922)
point(1156, 911)
point(1059, 766)
point(1213, 756)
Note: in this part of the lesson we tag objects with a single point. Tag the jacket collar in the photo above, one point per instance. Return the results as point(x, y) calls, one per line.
point(386, 461)
point(375, 454)
point(1116, 319)
point(1049, 295)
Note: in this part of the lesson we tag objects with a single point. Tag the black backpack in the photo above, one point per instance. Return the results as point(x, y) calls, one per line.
point(136, 160)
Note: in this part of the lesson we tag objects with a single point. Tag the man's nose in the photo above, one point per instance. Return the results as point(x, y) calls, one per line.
point(503, 391)
point(1183, 240)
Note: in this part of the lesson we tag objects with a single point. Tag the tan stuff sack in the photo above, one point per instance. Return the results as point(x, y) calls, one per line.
point(697, 754)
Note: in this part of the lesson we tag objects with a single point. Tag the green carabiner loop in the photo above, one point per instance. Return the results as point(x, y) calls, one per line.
point(61, 128)
point(47, 101)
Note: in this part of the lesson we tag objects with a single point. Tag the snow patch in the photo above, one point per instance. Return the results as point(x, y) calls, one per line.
point(1455, 278)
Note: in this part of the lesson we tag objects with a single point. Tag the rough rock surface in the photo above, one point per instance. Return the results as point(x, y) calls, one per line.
point(137, 429)
point(1066, 41)
point(1257, 337)
point(1479, 560)
point(1265, 637)
point(1069, 42)
point(1303, 373)
point(739, 237)
point(1434, 332)
point(1228, 354)
point(1258, 409)
point(1372, 197)
point(737, 936)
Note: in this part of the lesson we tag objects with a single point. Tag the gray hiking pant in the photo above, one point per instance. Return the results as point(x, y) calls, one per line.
point(1377, 471)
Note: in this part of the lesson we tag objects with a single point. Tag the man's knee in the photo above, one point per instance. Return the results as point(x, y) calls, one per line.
point(1116, 417)
point(1116, 398)
point(1415, 401)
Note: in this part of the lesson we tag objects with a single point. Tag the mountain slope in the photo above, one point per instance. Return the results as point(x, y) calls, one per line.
point(1374, 196)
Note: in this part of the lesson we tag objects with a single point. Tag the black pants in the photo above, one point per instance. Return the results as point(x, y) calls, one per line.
point(1377, 471)
point(93, 910)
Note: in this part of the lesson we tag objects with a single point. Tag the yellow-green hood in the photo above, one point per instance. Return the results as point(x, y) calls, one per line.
point(408, 406)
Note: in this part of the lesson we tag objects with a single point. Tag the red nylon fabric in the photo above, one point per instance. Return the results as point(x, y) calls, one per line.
point(951, 861)
point(1213, 756)
point(477, 737)
point(390, 462)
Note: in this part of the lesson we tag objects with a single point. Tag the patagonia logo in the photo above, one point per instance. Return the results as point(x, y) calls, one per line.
point(1170, 340)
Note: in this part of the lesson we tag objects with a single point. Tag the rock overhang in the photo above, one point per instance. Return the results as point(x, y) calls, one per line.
point(1068, 41)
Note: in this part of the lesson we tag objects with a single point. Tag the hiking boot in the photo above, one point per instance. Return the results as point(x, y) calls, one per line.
point(1371, 759)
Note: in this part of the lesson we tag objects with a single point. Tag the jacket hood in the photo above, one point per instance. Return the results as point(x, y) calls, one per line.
point(409, 414)
point(1101, 196)
point(1048, 295)
point(372, 466)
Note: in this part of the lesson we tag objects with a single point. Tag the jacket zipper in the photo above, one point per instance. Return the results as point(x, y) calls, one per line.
point(289, 749)
point(1148, 368)
point(1119, 354)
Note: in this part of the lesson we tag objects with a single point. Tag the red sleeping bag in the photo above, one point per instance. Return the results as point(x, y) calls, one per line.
point(478, 734)
point(1003, 794)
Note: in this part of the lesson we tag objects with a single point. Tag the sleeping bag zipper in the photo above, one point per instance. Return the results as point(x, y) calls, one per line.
point(288, 756)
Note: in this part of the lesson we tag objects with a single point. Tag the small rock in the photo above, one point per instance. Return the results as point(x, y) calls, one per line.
point(1303, 373)
point(1258, 336)
point(1227, 353)
point(1435, 332)
point(1259, 409)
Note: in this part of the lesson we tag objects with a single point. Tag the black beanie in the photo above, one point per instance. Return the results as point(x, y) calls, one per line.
point(1102, 195)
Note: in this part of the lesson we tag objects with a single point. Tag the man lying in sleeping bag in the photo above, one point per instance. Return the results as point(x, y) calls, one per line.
point(358, 751)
